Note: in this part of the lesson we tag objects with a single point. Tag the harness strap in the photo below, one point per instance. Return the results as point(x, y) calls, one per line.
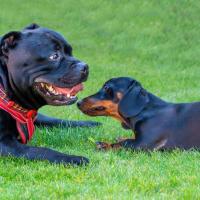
point(24, 118)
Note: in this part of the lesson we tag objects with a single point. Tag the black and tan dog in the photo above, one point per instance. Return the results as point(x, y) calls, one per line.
point(157, 124)
point(36, 68)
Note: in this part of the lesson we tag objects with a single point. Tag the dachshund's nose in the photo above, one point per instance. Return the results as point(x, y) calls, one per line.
point(79, 103)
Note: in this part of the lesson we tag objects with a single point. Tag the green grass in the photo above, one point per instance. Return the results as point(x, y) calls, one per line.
point(157, 42)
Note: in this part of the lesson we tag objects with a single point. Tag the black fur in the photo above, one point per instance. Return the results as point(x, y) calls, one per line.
point(157, 124)
point(24, 61)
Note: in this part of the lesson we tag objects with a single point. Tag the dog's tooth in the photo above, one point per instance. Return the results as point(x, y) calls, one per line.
point(42, 84)
point(55, 92)
point(51, 89)
point(46, 86)
point(68, 95)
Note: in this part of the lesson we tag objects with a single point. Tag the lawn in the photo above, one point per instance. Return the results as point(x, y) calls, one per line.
point(156, 42)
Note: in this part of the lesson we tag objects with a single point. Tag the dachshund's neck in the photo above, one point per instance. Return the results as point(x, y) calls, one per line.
point(155, 101)
point(155, 105)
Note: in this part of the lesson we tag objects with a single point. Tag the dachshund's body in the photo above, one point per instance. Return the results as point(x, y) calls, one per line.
point(157, 124)
point(167, 127)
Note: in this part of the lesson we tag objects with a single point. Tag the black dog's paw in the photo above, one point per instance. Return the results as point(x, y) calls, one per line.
point(103, 146)
point(83, 124)
point(90, 124)
point(77, 160)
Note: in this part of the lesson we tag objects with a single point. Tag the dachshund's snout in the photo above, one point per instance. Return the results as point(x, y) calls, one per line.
point(79, 103)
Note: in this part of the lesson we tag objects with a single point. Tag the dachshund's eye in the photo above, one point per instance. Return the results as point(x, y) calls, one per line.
point(54, 57)
point(109, 91)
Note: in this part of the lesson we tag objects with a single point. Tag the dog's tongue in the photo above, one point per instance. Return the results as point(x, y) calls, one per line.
point(72, 91)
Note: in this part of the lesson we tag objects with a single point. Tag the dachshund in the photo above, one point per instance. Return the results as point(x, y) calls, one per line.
point(157, 124)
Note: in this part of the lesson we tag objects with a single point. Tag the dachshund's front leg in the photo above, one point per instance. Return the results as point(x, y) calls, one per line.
point(132, 144)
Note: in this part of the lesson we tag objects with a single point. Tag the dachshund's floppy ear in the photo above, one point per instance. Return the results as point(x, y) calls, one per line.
point(134, 101)
point(9, 41)
point(125, 126)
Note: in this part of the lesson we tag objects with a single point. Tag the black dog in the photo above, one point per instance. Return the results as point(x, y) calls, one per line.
point(36, 68)
point(157, 124)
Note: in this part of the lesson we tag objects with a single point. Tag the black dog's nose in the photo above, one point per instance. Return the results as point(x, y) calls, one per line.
point(83, 68)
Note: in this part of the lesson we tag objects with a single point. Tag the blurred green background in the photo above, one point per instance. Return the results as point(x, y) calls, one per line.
point(156, 42)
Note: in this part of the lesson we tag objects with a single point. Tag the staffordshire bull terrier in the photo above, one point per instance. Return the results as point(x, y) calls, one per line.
point(36, 68)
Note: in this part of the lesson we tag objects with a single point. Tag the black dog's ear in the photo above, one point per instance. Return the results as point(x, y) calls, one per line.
point(32, 26)
point(9, 41)
point(133, 101)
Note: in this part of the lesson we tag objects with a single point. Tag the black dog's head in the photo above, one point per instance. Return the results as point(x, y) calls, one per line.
point(41, 68)
point(120, 98)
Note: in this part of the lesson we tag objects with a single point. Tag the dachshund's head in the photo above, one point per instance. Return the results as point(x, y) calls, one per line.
point(120, 98)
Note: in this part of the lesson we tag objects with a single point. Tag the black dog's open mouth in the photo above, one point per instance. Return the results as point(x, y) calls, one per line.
point(58, 95)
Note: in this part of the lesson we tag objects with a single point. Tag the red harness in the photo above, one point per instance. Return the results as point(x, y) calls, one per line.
point(24, 118)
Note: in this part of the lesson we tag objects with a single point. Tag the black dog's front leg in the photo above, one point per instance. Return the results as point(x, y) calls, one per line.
point(43, 120)
point(11, 147)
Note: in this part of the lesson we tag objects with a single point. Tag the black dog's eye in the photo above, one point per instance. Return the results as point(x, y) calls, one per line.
point(109, 91)
point(68, 50)
point(54, 56)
